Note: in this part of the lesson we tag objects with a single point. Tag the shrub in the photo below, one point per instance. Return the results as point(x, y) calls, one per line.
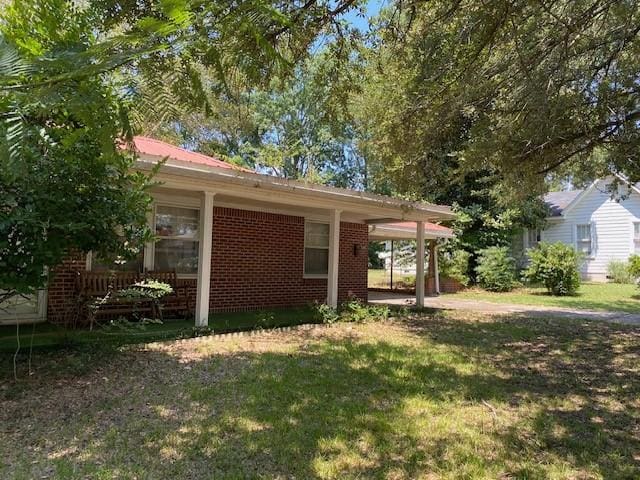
point(554, 265)
point(146, 289)
point(323, 313)
point(354, 310)
point(455, 265)
point(496, 270)
point(634, 266)
point(619, 272)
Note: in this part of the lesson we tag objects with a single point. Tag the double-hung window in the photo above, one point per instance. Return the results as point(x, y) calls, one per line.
point(534, 237)
point(583, 239)
point(636, 237)
point(316, 249)
point(177, 229)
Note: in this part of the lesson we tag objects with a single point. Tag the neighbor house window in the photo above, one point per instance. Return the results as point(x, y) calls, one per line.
point(636, 237)
point(316, 249)
point(583, 238)
point(177, 229)
point(533, 238)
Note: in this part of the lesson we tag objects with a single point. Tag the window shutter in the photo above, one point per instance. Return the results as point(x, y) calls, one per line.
point(594, 239)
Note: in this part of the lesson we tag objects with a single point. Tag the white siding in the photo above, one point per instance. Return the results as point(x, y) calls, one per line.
point(611, 224)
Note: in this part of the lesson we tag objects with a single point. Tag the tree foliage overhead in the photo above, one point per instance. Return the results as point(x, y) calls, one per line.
point(518, 86)
point(295, 127)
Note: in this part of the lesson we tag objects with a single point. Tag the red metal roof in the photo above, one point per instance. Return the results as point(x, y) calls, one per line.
point(158, 148)
point(428, 227)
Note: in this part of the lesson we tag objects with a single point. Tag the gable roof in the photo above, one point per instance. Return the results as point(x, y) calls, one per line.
point(158, 148)
point(559, 201)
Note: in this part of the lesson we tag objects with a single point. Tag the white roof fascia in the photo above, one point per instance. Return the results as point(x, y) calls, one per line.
point(225, 180)
point(406, 233)
point(578, 198)
point(626, 180)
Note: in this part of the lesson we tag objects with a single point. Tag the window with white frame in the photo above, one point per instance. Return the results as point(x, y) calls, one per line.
point(636, 237)
point(23, 307)
point(534, 237)
point(177, 229)
point(583, 238)
point(316, 249)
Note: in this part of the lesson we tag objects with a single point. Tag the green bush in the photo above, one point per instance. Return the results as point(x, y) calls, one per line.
point(634, 266)
point(554, 265)
point(496, 270)
point(455, 265)
point(354, 310)
point(323, 313)
point(619, 272)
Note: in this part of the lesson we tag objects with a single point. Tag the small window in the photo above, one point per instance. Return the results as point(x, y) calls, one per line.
point(583, 238)
point(636, 237)
point(23, 307)
point(316, 249)
point(177, 247)
point(533, 238)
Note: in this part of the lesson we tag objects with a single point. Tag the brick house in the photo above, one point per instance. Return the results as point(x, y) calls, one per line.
point(241, 240)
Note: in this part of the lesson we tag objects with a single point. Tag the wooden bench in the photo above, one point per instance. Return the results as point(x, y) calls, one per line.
point(178, 301)
point(97, 295)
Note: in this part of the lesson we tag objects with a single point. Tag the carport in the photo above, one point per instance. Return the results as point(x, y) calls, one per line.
point(421, 232)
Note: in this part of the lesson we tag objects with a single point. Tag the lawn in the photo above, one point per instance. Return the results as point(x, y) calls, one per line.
point(449, 395)
point(591, 296)
point(379, 278)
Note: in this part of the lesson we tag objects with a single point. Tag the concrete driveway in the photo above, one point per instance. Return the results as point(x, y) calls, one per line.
point(448, 302)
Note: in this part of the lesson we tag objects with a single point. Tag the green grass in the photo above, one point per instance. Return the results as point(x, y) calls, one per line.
point(449, 395)
point(591, 296)
point(48, 336)
point(380, 279)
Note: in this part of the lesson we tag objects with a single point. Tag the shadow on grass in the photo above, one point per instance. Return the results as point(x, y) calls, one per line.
point(345, 407)
point(585, 375)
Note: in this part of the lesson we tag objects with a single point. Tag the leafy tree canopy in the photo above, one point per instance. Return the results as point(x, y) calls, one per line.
point(296, 126)
point(522, 88)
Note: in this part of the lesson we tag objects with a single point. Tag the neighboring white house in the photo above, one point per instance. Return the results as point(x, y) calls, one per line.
point(602, 227)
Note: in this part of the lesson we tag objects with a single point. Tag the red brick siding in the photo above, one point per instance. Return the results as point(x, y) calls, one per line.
point(62, 294)
point(353, 261)
point(257, 262)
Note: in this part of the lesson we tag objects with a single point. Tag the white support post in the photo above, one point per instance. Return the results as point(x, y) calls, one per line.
point(334, 258)
point(149, 247)
point(420, 265)
point(437, 271)
point(204, 260)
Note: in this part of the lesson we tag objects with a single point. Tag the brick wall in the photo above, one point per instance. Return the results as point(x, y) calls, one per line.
point(62, 294)
point(257, 262)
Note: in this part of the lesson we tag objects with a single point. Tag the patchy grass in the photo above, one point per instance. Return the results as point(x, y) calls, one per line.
point(48, 336)
point(451, 395)
point(380, 278)
point(591, 296)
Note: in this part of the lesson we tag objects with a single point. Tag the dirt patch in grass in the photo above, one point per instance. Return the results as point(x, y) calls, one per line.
point(450, 395)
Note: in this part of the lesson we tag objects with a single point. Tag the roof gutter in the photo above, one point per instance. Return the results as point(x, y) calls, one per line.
point(203, 177)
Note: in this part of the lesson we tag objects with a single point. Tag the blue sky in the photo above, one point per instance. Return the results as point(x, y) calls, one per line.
point(371, 8)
